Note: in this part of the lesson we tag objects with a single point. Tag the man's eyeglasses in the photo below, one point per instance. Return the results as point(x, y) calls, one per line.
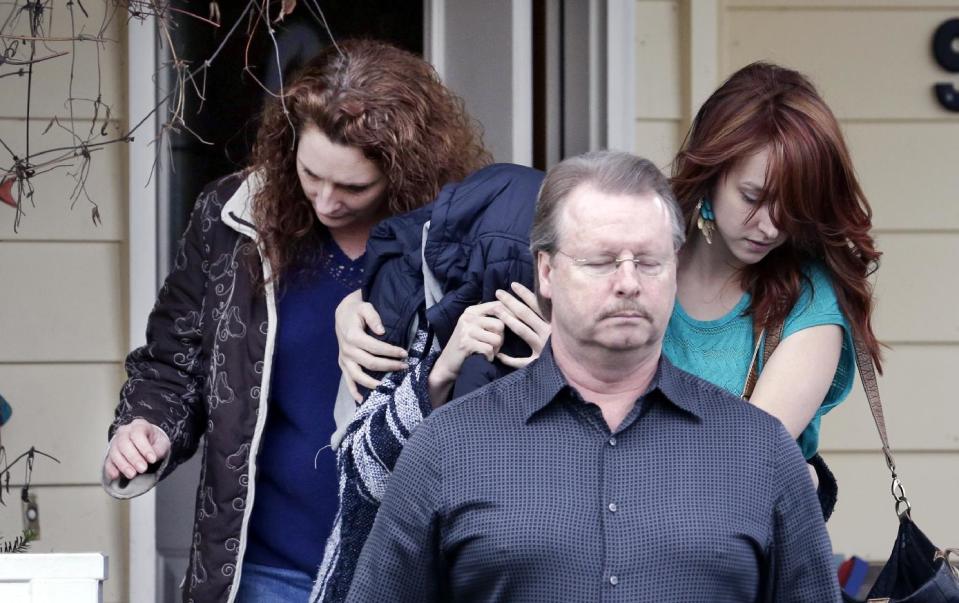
point(605, 266)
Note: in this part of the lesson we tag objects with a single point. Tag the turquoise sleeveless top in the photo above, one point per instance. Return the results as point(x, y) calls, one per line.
point(719, 350)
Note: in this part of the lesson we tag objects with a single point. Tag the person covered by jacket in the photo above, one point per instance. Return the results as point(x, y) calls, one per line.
point(439, 277)
point(241, 350)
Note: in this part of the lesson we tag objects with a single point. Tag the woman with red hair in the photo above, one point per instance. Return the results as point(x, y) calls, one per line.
point(778, 242)
point(240, 346)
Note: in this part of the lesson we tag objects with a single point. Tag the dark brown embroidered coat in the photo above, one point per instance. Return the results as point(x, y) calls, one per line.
point(205, 371)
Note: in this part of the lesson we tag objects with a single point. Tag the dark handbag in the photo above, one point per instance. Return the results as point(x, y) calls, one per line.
point(917, 571)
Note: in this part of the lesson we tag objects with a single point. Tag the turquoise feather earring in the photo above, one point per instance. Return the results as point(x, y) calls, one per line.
point(706, 221)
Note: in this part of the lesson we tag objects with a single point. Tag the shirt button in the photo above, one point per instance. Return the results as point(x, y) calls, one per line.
point(612, 507)
point(613, 580)
point(612, 441)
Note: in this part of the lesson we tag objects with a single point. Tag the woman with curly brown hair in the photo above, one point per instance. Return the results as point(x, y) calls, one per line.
point(240, 346)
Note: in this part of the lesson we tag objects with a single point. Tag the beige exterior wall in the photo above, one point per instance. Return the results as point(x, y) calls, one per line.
point(63, 325)
point(872, 63)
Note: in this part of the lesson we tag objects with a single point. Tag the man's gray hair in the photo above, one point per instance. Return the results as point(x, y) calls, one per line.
point(610, 172)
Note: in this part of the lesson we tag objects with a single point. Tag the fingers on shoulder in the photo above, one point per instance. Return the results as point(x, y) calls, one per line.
point(370, 317)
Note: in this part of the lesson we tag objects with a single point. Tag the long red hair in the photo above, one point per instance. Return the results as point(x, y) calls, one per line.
point(811, 189)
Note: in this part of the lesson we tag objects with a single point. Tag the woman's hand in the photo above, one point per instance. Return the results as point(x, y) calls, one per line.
point(134, 447)
point(358, 350)
point(523, 317)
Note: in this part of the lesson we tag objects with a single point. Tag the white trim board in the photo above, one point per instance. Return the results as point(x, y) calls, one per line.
point(621, 75)
point(434, 34)
point(141, 270)
point(522, 56)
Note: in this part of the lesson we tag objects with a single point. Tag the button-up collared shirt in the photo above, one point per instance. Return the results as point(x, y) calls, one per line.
point(520, 492)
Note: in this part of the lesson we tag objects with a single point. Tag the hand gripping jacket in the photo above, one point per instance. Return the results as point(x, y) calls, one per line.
point(476, 241)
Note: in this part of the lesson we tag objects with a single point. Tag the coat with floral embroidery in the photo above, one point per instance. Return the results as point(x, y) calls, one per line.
point(205, 371)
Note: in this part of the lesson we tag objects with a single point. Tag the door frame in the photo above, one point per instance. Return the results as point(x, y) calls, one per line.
point(617, 82)
point(142, 262)
point(521, 68)
point(621, 75)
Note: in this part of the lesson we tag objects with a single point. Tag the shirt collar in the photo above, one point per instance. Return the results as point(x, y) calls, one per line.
point(679, 388)
point(548, 382)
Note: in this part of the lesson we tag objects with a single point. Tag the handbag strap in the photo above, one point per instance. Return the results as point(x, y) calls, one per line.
point(867, 374)
point(773, 337)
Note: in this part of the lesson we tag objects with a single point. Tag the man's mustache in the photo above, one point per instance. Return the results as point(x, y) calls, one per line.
point(626, 308)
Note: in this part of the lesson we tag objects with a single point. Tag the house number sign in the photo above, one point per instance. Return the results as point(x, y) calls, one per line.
point(945, 47)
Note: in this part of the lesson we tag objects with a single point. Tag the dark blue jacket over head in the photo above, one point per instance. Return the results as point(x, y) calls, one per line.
point(478, 242)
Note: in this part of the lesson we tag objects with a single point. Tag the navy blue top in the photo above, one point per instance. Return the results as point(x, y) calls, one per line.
point(520, 492)
point(296, 481)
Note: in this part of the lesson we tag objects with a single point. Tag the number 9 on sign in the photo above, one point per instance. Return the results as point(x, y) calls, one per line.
point(945, 47)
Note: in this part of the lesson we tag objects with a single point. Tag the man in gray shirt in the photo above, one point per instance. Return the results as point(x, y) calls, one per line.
point(600, 471)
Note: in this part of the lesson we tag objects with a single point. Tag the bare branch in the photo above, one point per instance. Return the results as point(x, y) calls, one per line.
point(26, 45)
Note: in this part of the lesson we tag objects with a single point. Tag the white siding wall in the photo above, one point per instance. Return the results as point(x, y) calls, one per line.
point(872, 63)
point(62, 324)
point(660, 120)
